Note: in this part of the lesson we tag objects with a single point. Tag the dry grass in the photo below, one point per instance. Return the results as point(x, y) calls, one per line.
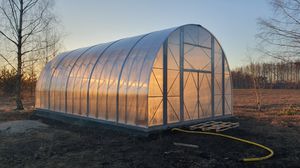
point(279, 106)
point(8, 103)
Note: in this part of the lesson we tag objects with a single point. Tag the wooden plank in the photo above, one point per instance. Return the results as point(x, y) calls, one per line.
point(216, 126)
point(185, 145)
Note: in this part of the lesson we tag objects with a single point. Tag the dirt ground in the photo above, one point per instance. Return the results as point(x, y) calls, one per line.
point(63, 145)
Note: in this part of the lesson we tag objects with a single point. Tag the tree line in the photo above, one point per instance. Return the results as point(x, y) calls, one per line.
point(279, 75)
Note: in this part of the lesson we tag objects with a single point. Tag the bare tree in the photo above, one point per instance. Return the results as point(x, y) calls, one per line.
point(280, 35)
point(23, 26)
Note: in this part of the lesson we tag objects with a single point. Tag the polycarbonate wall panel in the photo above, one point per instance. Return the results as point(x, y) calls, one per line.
point(173, 77)
point(57, 82)
point(62, 83)
point(218, 79)
point(39, 83)
point(92, 56)
point(87, 61)
point(197, 73)
point(155, 94)
point(228, 89)
point(46, 80)
point(133, 93)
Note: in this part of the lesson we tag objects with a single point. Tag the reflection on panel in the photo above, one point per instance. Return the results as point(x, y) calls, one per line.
point(197, 36)
point(197, 95)
point(205, 95)
point(190, 96)
point(155, 111)
point(173, 78)
point(197, 58)
point(228, 90)
point(155, 94)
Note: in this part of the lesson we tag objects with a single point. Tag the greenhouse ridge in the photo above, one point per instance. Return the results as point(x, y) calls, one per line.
point(153, 81)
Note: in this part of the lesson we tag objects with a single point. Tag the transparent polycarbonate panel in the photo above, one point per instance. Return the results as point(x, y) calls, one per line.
point(85, 62)
point(96, 103)
point(174, 50)
point(45, 89)
point(68, 79)
point(146, 70)
point(218, 79)
point(227, 86)
point(136, 74)
point(218, 105)
point(173, 109)
point(57, 82)
point(158, 63)
point(173, 83)
point(174, 38)
point(173, 78)
point(228, 90)
point(126, 46)
point(39, 83)
point(205, 95)
point(94, 54)
point(191, 34)
point(155, 111)
point(197, 35)
point(228, 104)
point(190, 96)
point(61, 82)
point(155, 93)
point(54, 92)
point(156, 83)
point(218, 57)
point(197, 58)
point(102, 73)
point(173, 56)
point(218, 83)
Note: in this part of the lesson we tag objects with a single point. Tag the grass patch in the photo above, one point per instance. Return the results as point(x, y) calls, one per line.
point(290, 110)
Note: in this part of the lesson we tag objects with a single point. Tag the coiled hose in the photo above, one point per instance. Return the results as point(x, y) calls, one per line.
point(271, 153)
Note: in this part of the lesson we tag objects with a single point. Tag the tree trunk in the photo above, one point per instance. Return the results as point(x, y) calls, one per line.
point(19, 82)
point(19, 56)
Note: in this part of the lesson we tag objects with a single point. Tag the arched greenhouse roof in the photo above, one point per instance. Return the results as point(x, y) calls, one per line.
point(111, 81)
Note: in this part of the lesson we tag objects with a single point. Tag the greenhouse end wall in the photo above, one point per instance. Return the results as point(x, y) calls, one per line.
point(158, 80)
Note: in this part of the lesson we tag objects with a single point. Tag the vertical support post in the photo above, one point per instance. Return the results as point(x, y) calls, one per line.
point(223, 83)
point(165, 82)
point(181, 62)
point(198, 99)
point(212, 76)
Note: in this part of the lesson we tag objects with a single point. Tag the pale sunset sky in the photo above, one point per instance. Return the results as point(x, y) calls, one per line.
point(233, 22)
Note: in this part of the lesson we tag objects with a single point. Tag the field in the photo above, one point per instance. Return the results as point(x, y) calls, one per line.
point(60, 145)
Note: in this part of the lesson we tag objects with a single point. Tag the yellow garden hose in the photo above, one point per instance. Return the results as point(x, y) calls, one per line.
point(234, 138)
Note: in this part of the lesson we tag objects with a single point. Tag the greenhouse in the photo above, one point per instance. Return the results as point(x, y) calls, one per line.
point(155, 81)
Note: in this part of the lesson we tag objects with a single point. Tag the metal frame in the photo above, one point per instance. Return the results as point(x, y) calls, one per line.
point(165, 82)
point(181, 85)
point(195, 45)
point(90, 76)
point(213, 76)
point(196, 70)
point(223, 84)
point(66, 86)
point(121, 72)
point(82, 120)
point(139, 79)
point(50, 81)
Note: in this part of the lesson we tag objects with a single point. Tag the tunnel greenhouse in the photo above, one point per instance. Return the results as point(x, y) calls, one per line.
point(155, 81)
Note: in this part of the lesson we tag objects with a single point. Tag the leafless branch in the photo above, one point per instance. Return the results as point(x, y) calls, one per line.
point(2, 56)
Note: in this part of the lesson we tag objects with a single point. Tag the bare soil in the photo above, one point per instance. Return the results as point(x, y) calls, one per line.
point(63, 145)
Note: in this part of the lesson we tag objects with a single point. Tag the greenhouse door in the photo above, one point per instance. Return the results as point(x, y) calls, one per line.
point(197, 95)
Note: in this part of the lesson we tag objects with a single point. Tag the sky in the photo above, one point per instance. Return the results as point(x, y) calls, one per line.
point(233, 22)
